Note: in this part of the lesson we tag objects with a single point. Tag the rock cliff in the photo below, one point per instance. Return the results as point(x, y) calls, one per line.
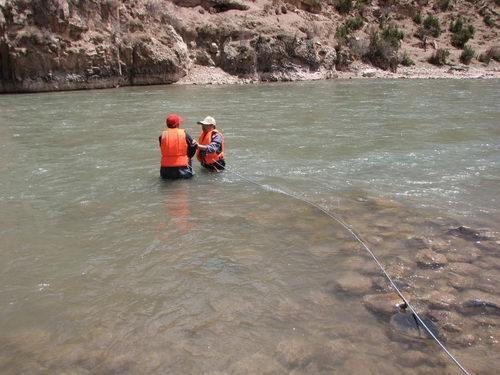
point(48, 45)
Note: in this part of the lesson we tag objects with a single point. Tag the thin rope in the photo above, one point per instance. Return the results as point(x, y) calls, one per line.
point(358, 238)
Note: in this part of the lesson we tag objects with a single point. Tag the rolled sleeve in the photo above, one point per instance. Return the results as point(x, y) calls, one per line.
point(215, 144)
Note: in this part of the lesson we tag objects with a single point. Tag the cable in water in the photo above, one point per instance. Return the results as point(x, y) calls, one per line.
point(374, 257)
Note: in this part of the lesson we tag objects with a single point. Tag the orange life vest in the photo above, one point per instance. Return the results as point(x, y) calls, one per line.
point(174, 148)
point(206, 139)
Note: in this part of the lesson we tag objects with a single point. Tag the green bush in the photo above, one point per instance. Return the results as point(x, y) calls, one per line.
point(439, 57)
point(489, 21)
point(341, 32)
point(406, 60)
point(444, 4)
point(354, 23)
point(382, 53)
point(467, 55)
point(417, 18)
point(461, 33)
point(431, 24)
point(392, 35)
point(343, 6)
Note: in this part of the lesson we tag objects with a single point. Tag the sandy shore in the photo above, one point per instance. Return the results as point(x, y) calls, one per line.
point(204, 75)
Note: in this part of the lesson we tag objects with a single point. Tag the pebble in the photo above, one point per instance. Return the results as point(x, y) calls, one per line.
point(477, 302)
point(465, 269)
point(430, 259)
point(384, 303)
point(352, 282)
point(257, 363)
point(415, 358)
point(467, 255)
point(294, 352)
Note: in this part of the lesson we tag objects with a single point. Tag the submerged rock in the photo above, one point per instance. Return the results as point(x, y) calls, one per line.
point(431, 259)
point(294, 352)
point(439, 300)
point(415, 358)
point(464, 269)
point(461, 282)
point(257, 363)
point(476, 302)
point(408, 325)
point(463, 255)
point(471, 234)
point(384, 303)
point(447, 320)
point(352, 282)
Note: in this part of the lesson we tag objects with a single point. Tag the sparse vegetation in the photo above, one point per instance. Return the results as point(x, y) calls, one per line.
point(392, 35)
point(467, 55)
point(489, 21)
point(444, 4)
point(439, 57)
point(461, 33)
point(382, 51)
point(341, 32)
point(343, 6)
point(354, 23)
point(431, 25)
point(406, 60)
point(417, 18)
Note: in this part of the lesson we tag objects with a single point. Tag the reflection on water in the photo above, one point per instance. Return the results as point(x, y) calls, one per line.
point(108, 269)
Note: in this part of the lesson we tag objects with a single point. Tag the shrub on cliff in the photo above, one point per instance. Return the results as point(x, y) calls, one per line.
point(439, 57)
point(406, 60)
point(354, 23)
point(461, 33)
point(467, 55)
point(444, 4)
point(343, 6)
point(382, 51)
point(432, 27)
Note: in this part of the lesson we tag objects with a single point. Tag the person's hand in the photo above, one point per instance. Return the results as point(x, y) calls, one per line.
point(195, 144)
point(202, 147)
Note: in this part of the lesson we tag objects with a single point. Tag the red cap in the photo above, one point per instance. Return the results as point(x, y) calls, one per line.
point(173, 120)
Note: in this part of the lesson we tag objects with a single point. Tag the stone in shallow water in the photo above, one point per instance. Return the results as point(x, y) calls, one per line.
point(461, 282)
point(439, 300)
point(463, 255)
point(406, 324)
point(352, 282)
point(447, 320)
point(471, 234)
point(294, 352)
point(415, 358)
point(431, 259)
point(464, 340)
point(384, 303)
point(465, 269)
point(257, 364)
point(476, 302)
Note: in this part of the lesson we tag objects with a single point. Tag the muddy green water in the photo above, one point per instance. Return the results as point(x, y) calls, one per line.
point(104, 268)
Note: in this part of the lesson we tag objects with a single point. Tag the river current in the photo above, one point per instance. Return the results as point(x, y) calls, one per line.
point(104, 268)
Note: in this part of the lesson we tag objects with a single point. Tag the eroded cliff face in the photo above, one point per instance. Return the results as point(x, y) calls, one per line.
point(78, 44)
point(60, 44)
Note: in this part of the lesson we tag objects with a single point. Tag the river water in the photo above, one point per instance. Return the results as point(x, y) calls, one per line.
point(104, 268)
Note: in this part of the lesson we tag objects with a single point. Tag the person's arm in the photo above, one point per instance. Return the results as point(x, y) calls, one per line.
point(191, 146)
point(159, 140)
point(214, 146)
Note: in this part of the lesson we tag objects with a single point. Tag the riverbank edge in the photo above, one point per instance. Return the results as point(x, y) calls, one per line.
point(209, 75)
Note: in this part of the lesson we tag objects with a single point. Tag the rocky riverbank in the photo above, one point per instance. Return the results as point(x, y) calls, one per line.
point(63, 45)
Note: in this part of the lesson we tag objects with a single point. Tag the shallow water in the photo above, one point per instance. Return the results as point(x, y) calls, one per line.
point(107, 269)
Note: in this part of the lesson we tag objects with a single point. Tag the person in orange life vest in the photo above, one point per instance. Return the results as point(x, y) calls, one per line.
point(210, 151)
point(177, 148)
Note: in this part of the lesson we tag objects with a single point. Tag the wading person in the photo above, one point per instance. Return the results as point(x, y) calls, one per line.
point(177, 149)
point(210, 151)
